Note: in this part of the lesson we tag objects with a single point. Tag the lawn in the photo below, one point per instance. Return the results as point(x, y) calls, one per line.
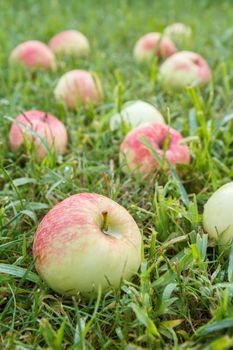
point(181, 297)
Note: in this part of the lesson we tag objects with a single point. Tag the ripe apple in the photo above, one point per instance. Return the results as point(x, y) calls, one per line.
point(178, 32)
point(46, 126)
point(153, 44)
point(217, 216)
point(136, 157)
point(184, 68)
point(136, 113)
point(33, 54)
point(78, 87)
point(85, 242)
point(70, 42)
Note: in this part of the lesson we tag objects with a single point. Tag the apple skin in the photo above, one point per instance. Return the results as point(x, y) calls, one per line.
point(217, 216)
point(153, 44)
point(70, 42)
point(73, 254)
point(178, 32)
point(78, 87)
point(137, 158)
point(33, 54)
point(184, 68)
point(45, 125)
point(136, 113)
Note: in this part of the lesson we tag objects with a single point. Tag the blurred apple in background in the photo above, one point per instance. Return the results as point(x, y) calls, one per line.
point(136, 113)
point(136, 157)
point(184, 68)
point(85, 242)
point(33, 54)
point(178, 32)
point(70, 42)
point(79, 87)
point(34, 126)
point(151, 45)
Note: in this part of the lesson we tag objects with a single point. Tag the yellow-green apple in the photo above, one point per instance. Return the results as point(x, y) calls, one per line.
point(184, 68)
point(86, 242)
point(33, 54)
point(136, 157)
point(136, 113)
point(35, 126)
point(70, 42)
point(178, 32)
point(79, 87)
point(218, 214)
point(151, 45)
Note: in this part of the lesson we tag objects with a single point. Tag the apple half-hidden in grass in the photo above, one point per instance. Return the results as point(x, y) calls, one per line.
point(151, 45)
point(184, 68)
point(218, 214)
point(85, 242)
point(135, 153)
point(33, 54)
point(79, 87)
point(178, 32)
point(70, 42)
point(40, 128)
point(136, 113)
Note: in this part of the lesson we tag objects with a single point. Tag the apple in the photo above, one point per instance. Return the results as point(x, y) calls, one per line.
point(151, 45)
point(85, 242)
point(78, 87)
point(184, 68)
point(178, 32)
point(136, 157)
point(35, 126)
point(136, 113)
point(70, 42)
point(218, 214)
point(33, 54)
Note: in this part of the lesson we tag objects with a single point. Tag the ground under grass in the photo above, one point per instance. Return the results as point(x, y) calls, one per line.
point(182, 296)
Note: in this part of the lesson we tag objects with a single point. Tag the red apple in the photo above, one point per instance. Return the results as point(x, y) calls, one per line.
point(153, 44)
point(70, 42)
point(135, 156)
point(78, 87)
point(184, 68)
point(33, 54)
point(46, 126)
point(85, 242)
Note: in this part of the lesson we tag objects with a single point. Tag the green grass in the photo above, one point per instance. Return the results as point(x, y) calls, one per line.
point(182, 295)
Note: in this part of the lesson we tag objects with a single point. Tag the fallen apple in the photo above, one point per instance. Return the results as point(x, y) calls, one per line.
point(184, 68)
point(217, 216)
point(85, 242)
point(178, 32)
point(151, 45)
point(136, 113)
point(78, 87)
point(70, 42)
point(38, 127)
point(136, 157)
point(33, 54)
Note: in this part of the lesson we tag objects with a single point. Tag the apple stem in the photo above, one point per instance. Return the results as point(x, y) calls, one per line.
point(104, 226)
